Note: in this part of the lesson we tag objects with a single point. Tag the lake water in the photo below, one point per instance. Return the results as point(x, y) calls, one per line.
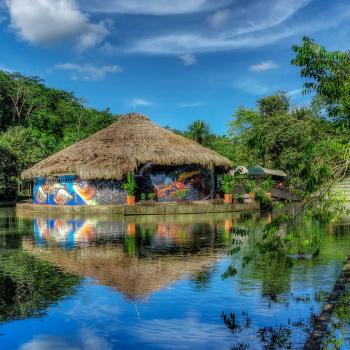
point(109, 282)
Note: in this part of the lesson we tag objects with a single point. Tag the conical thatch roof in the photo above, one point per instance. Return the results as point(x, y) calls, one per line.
point(121, 148)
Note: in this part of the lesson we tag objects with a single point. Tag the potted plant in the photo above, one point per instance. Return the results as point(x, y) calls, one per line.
point(240, 199)
point(181, 195)
point(130, 187)
point(227, 187)
point(151, 196)
point(250, 188)
point(148, 200)
point(268, 185)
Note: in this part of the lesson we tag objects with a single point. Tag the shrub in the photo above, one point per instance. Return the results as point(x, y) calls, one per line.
point(130, 186)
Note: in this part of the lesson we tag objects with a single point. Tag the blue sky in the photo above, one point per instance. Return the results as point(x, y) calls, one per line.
point(175, 60)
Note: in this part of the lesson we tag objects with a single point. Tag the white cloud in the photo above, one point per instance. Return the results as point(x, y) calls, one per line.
point(141, 102)
point(191, 104)
point(88, 338)
point(49, 21)
point(251, 25)
point(294, 92)
point(109, 49)
point(190, 332)
point(153, 7)
point(92, 37)
point(219, 18)
point(88, 71)
point(48, 343)
point(188, 59)
point(253, 87)
point(263, 66)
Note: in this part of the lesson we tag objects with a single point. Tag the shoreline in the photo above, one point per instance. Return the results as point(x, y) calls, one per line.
point(137, 209)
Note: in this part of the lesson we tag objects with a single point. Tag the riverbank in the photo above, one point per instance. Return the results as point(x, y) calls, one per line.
point(318, 334)
point(200, 207)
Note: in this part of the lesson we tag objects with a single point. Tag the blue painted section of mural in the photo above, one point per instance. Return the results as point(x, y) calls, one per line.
point(70, 190)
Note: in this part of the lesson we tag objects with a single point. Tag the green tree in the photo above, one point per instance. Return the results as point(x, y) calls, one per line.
point(329, 74)
point(276, 103)
point(8, 173)
point(300, 142)
point(24, 144)
point(199, 131)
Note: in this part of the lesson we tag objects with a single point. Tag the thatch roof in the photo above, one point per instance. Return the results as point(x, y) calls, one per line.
point(123, 146)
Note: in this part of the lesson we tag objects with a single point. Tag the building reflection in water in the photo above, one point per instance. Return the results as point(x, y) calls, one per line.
point(135, 255)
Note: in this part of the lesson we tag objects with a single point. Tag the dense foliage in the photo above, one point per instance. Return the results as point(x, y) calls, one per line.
point(311, 144)
point(8, 174)
point(36, 121)
point(306, 146)
point(329, 74)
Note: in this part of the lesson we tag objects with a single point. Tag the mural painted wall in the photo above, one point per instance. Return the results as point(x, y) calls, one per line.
point(164, 182)
point(70, 190)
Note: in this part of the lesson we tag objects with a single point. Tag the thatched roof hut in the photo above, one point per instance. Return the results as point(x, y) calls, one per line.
point(121, 148)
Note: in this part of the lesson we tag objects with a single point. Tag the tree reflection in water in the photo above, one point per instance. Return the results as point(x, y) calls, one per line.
point(273, 248)
point(28, 286)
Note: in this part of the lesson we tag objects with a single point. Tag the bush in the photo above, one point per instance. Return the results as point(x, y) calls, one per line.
point(8, 174)
point(130, 186)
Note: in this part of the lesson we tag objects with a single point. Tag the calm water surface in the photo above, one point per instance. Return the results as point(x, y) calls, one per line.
point(107, 282)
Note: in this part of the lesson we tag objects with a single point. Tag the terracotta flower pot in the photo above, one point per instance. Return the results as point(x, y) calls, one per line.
point(228, 225)
point(131, 229)
point(252, 196)
point(228, 197)
point(130, 200)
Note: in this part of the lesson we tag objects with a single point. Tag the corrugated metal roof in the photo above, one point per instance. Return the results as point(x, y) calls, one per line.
point(260, 171)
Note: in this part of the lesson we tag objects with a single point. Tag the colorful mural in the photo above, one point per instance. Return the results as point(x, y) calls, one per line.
point(70, 190)
point(164, 182)
point(168, 182)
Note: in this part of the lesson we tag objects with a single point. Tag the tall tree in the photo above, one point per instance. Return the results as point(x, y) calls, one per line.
point(199, 131)
point(329, 77)
point(8, 174)
point(307, 147)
